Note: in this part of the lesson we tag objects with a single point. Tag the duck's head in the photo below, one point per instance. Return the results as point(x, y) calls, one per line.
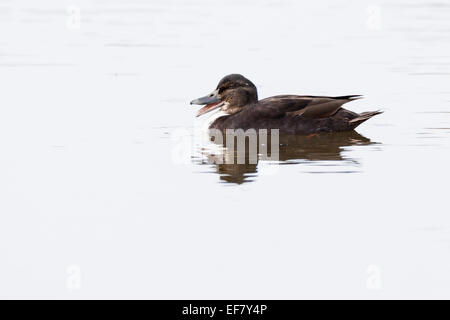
point(232, 93)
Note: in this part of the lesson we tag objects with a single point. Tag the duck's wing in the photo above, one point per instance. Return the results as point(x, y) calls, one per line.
point(307, 106)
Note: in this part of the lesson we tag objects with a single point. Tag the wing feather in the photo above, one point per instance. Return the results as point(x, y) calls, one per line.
point(307, 106)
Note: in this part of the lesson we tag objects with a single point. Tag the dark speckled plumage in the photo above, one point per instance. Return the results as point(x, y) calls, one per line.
point(291, 114)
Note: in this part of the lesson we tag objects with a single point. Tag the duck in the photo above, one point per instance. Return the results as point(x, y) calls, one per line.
point(236, 103)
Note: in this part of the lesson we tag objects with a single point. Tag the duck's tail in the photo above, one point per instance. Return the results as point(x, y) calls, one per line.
point(350, 97)
point(360, 118)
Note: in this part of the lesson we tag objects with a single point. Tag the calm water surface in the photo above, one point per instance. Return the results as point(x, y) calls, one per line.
point(104, 191)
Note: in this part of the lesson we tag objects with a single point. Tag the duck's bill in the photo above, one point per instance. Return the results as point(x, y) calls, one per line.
point(211, 101)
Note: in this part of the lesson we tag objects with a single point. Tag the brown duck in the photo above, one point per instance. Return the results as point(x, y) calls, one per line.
point(237, 99)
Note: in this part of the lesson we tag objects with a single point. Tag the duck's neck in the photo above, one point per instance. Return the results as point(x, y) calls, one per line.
point(213, 117)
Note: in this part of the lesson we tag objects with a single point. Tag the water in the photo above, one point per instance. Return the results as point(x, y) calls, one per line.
point(103, 193)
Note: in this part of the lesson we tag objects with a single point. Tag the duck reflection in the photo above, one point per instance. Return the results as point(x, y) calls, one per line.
point(293, 149)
